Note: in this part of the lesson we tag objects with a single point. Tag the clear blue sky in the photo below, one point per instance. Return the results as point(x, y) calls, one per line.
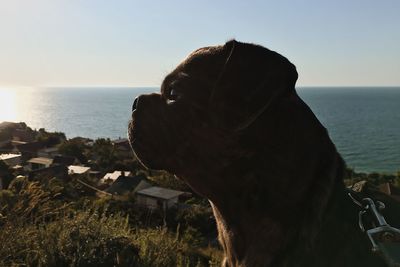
point(136, 43)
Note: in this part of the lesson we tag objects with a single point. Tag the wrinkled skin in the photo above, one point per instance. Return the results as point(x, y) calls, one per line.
point(229, 123)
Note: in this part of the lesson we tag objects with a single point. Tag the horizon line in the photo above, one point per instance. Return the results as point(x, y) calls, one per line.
point(155, 86)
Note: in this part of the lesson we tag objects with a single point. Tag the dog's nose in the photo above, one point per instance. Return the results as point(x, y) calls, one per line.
point(134, 105)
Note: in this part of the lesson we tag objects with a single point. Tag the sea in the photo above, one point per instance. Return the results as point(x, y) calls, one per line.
point(363, 122)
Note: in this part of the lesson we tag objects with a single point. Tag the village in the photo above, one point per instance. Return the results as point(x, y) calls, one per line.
point(108, 169)
point(35, 154)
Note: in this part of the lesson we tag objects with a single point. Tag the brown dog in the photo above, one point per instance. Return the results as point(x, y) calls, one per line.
point(228, 121)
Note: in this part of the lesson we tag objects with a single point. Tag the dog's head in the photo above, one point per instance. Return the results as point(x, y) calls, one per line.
point(221, 105)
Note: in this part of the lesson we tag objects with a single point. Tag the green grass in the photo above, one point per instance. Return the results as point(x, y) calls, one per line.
point(90, 238)
point(40, 228)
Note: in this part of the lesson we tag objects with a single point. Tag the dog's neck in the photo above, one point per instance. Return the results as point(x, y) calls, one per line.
point(279, 242)
point(243, 243)
point(273, 230)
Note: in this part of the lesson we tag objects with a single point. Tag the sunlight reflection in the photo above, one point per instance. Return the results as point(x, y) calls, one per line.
point(8, 104)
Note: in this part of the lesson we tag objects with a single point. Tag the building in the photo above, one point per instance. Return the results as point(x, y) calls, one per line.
point(11, 159)
point(111, 177)
point(125, 185)
point(28, 150)
point(122, 147)
point(39, 163)
point(158, 198)
point(78, 170)
point(49, 152)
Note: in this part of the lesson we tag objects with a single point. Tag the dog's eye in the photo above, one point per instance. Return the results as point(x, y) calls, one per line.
point(173, 96)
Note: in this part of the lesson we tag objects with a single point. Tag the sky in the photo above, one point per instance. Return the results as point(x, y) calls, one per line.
point(136, 43)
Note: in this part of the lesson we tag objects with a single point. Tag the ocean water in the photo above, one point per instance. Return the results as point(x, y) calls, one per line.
point(364, 123)
point(87, 112)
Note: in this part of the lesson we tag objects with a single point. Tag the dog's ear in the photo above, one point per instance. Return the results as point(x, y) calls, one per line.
point(251, 78)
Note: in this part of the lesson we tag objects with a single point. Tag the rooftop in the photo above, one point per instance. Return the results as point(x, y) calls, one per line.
point(114, 175)
point(9, 156)
point(126, 184)
point(160, 192)
point(43, 161)
point(74, 169)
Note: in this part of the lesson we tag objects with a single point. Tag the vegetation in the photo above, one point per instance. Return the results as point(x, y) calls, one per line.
point(42, 225)
point(7, 129)
point(74, 148)
point(50, 139)
point(104, 154)
point(165, 179)
point(374, 178)
point(6, 174)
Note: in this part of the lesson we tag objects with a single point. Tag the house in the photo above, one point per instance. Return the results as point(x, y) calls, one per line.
point(78, 170)
point(49, 152)
point(122, 146)
point(28, 150)
point(111, 177)
point(157, 198)
point(124, 185)
point(11, 159)
point(39, 163)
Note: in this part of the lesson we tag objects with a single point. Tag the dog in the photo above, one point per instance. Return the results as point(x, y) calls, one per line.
point(228, 121)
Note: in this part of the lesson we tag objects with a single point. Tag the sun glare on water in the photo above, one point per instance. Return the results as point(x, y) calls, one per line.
point(8, 109)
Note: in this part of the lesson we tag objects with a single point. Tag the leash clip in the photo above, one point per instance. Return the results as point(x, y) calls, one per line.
point(385, 239)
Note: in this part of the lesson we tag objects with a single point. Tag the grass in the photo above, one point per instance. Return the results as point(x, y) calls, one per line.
point(39, 228)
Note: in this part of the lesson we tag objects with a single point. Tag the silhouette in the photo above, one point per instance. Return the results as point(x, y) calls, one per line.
point(230, 124)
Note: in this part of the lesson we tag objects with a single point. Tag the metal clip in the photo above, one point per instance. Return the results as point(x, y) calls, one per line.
point(383, 237)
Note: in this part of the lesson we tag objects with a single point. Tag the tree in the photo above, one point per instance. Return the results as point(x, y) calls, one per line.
point(73, 148)
point(50, 139)
point(104, 154)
